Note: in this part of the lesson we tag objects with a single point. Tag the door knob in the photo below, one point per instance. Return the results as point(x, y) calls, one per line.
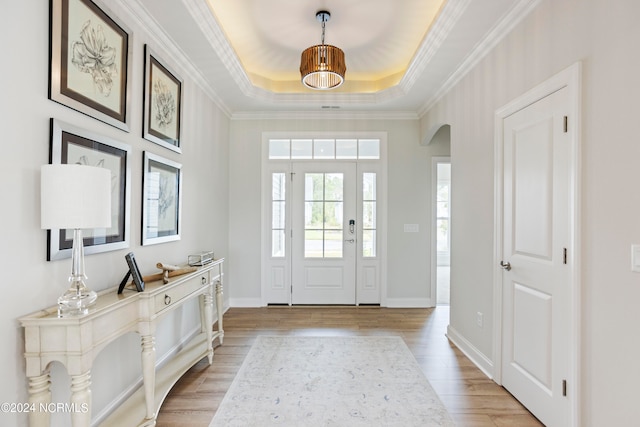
point(505, 265)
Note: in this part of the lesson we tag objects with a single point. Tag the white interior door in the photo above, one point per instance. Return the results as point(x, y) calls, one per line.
point(536, 278)
point(323, 241)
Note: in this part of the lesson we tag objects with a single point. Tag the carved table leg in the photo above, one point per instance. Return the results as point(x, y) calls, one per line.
point(219, 309)
point(39, 396)
point(208, 323)
point(149, 373)
point(81, 399)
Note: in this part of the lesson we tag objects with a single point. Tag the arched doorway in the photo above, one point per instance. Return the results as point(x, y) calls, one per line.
point(440, 142)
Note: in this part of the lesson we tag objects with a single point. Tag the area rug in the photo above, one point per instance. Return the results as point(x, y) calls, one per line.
point(330, 381)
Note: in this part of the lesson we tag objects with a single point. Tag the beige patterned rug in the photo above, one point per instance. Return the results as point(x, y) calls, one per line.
point(330, 381)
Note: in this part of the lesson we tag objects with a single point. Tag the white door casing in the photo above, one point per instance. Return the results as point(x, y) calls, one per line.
point(536, 242)
point(323, 241)
point(277, 225)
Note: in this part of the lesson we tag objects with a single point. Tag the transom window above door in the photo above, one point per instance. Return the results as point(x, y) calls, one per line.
point(324, 149)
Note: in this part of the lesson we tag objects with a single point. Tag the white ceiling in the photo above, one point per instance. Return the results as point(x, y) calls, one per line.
point(379, 39)
point(401, 55)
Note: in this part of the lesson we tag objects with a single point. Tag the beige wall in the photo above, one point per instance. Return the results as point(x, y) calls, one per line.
point(30, 282)
point(604, 36)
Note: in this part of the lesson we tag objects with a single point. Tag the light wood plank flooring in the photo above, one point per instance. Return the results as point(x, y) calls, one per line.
point(471, 398)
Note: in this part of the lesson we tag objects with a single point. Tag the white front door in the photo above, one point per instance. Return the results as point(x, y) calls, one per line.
point(324, 233)
point(536, 279)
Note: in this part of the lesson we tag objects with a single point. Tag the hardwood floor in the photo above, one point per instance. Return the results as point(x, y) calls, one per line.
point(470, 397)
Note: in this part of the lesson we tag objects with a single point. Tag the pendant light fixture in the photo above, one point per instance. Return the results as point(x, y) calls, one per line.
point(322, 66)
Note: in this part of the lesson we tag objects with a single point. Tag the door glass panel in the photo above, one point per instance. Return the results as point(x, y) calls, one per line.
point(369, 209)
point(301, 149)
point(278, 186)
point(333, 244)
point(346, 148)
point(443, 209)
point(442, 235)
point(369, 243)
point(324, 149)
point(333, 215)
point(313, 243)
point(369, 186)
point(278, 214)
point(368, 215)
point(323, 215)
point(334, 186)
point(279, 149)
point(277, 243)
point(314, 186)
point(313, 215)
point(369, 148)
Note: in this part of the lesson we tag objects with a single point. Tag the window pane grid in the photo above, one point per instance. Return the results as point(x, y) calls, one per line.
point(369, 213)
point(323, 215)
point(324, 149)
point(278, 214)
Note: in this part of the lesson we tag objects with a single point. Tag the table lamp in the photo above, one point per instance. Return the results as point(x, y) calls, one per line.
point(75, 197)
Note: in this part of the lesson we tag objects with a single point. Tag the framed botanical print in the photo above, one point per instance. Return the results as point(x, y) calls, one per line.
point(72, 145)
point(162, 103)
point(90, 61)
point(161, 199)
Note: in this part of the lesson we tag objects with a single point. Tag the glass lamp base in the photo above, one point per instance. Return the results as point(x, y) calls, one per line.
point(76, 302)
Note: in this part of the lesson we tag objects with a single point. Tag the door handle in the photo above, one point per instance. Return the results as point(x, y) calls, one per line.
point(505, 265)
point(350, 240)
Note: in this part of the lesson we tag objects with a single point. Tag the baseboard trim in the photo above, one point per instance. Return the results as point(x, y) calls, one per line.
point(476, 356)
point(390, 302)
point(408, 302)
point(245, 302)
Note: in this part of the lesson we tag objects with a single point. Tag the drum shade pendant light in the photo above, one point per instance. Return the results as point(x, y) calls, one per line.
point(322, 66)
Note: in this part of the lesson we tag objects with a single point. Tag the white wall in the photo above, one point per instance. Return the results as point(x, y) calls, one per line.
point(409, 187)
point(604, 36)
point(30, 282)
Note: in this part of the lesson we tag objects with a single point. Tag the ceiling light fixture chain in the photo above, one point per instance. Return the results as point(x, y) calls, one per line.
point(324, 18)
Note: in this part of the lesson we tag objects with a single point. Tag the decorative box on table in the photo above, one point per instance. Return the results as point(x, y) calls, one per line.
point(200, 259)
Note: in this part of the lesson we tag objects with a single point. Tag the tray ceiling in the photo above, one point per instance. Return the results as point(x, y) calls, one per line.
point(401, 55)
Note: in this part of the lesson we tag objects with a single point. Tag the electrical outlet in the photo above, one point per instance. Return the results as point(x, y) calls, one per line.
point(479, 319)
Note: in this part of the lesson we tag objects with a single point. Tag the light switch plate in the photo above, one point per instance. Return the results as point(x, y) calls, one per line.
point(635, 258)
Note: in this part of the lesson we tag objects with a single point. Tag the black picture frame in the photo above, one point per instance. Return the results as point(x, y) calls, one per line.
point(95, 83)
point(162, 94)
point(70, 144)
point(134, 273)
point(161, 199)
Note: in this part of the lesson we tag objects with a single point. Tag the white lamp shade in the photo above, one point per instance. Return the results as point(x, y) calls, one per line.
point(75, 196)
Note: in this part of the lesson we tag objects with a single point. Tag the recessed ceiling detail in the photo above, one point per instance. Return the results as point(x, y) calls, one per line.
point(390, 75)
point(379, 38)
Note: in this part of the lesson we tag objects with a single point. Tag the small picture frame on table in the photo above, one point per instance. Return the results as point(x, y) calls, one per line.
point(134, 273)
point(161, 199)
point(90, 54)
point(162, 103)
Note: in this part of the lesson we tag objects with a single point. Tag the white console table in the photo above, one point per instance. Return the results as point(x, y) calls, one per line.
point(76, 341)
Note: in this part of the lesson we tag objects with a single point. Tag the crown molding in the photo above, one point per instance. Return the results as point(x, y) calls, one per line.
point(325, 115)
point(440, 30)
point(162, 41)
point(442, 26)
point(208, 24)
point(508, 22)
